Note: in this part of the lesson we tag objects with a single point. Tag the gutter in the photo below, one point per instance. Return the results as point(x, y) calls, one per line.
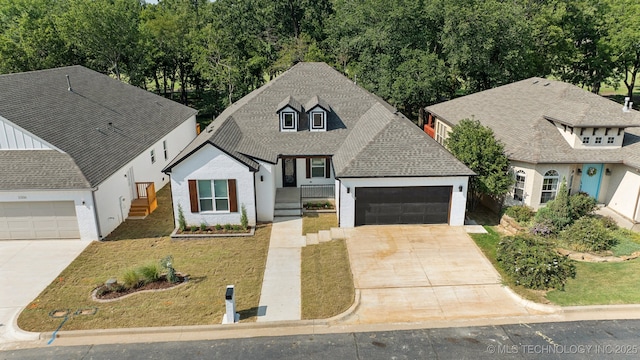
point(95, 212)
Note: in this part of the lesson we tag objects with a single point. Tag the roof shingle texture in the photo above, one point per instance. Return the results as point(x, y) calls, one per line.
point(77, 121)
point(361, 129)
point(39, 170)
point(520, 115)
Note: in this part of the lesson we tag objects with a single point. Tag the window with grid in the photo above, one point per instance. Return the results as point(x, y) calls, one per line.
point(610, 140)
point(598, 140)
point(165, 149)
point(317, 121)
point(317, 167)
point(585, 140)
point(213, 195)
point(549, 186)
point(288, 121)
point(153, 156)
point(518, 190)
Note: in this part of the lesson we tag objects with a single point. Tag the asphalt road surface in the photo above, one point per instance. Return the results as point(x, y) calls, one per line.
point(568, 340)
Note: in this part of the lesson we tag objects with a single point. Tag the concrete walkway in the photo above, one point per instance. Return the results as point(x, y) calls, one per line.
point(619, 219)
point(280, 298)
point(26, 268)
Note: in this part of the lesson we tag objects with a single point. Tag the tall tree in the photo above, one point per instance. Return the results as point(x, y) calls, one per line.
point(625, 40)
point(476, 146)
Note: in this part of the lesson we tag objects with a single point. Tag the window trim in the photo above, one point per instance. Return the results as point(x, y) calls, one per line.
point(213, 197)
point(317, 166)
point(294, 120)
point(611, 140)
point(551, 178)
point(153, 156)
point(523, 175)
point(598, 140)
point(585, 140)
point(323, 121)
point(165, 149)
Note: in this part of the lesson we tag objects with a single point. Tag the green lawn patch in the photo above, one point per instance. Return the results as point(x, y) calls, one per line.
point(601, 284)
point(314, 222)
point(327, 283)
point(628, 242)
point(212, 265)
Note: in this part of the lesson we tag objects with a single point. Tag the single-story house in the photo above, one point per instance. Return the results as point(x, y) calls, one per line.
point(313, 132)
point(554, 131)
point(77, 148)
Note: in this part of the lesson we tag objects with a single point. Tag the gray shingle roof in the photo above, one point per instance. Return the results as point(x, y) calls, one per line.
point(76, 122)
point(520, 115)
point(356, 118)
point(39, 170)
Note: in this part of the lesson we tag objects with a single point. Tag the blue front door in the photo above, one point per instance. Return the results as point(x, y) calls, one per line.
point(591, 179)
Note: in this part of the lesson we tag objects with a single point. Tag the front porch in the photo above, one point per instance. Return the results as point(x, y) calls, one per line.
point(289, 200)
point(145, 202)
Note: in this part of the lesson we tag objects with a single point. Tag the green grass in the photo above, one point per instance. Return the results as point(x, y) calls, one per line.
point(628, 242)
point(327, 283)
point(312, 222)
point(212, 264)
point(601, 283)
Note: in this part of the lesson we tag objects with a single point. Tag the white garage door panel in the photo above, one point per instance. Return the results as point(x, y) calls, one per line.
point(38, 220)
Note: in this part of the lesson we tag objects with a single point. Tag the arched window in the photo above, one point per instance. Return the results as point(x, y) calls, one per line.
point(549, 186)
point(518, 189)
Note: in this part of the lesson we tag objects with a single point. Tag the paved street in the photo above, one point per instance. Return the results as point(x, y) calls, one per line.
point(570, 340)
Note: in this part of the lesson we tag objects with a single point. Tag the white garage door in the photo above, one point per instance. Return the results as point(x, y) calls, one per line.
point(38, 220)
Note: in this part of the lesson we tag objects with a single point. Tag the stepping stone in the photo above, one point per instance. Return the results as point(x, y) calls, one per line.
point(312, 239)
point(324, 235)
point(337, 233)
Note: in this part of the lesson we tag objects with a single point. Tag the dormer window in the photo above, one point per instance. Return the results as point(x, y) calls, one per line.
point(318, 111)
point(289, 111)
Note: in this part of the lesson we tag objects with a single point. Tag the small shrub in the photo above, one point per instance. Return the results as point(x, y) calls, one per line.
point(228, 227)
point(203, 226)
point(131, 279)
point(581, 204)
point(182, 222)
point(520, 213)
point(244, 221)
point(544, 229)
point(149, 273)
point(547, 215)
point(589, 234)
point(194, 228)
point(167, 263)
point(239, 227)
point(533, 263)
point(218, 227)
point(608, 222)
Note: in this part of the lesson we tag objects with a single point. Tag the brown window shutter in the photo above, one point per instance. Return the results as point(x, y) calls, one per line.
point(327, 167)
point(308, 161)
point(233, 199)
point(193, 196)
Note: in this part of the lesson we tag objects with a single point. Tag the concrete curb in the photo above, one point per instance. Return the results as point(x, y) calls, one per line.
point(528, 304)
point(17, 333)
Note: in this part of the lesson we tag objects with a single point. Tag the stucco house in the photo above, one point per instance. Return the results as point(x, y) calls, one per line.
point(78, 148)
point(554, 131)
point(313, 132)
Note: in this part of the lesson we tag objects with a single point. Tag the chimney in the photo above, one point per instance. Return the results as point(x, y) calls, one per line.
point(627, 104)
point(69, 84)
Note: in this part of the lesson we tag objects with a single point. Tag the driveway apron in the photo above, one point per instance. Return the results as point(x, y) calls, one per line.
point(26, 268)
point(420, 273)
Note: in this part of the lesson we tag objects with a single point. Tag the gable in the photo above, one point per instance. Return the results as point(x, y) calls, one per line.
point(16, 138)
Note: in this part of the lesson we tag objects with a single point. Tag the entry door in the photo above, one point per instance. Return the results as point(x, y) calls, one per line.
point(289, 172)
point(133, 192)
point(591, 179)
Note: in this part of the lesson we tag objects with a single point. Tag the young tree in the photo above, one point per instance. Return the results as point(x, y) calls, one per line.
point(476, 146)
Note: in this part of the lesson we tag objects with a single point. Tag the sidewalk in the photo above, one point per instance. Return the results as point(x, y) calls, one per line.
point(619, 219)
point(280, 298)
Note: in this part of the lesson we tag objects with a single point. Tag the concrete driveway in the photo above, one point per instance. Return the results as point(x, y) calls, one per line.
point(418, 273)
point(26, 268)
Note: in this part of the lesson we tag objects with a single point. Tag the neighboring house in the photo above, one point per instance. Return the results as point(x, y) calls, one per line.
point(77, 147)
point(554, 131)
point(313, 132)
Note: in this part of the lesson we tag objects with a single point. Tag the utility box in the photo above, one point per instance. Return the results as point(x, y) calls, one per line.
point(230, 315)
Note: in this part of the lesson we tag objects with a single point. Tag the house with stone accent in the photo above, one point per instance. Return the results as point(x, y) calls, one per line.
point(313, 133)
point(80, 152)
point(554, 131)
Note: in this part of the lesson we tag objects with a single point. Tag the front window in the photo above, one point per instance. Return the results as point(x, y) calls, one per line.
point(317, 167)
point(585, 140)
point(598, 140)
point(518, 191)
point(549, 186)
point(289, 121)
point(318, 121)
point(153, 156)
point(213, 195)
point(610, 140)
point(165, 149)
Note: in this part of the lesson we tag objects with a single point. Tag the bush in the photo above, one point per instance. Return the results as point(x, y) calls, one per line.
point(149, 273)
point(544, 229)
point(182, 223)
point(218, 227)
point(193, 228)
point(203, 226)
point(581, 204)
point(547, 216)
point(131, 279)
point(589, 234)
point(534, 263)
point(520, 213)
point(167, 263)
point(244, 221)
point(228, 227)
point(608, 222)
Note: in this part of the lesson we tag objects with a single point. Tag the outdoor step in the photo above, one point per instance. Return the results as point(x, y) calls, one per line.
point(138, 214)
point(324, 235)
point(287, 212)
point(312, 239)
point(337, 233)
point(287, 205)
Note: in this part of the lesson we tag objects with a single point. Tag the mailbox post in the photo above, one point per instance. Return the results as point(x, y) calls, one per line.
point(230, 315)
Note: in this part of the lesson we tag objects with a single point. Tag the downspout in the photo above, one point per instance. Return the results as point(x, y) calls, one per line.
point(635, 209)
point(255, 199)
point(173, 214)
point(95, 212)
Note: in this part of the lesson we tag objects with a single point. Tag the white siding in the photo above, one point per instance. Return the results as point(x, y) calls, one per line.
point(82, 200)
point(210, 163)
point(16, 138)
point(458, 198)
point(624, 191)
point(114, 195)
point(301, 174)
point(564, 171)
point(265, 180)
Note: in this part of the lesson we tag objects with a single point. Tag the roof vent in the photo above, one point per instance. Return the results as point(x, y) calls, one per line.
point(69, 84)
point(628, 104)
point(536, 81)
point(547, 84)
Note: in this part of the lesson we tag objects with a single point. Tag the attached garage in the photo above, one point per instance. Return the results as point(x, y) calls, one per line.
point(38, 220)
point(402, 205)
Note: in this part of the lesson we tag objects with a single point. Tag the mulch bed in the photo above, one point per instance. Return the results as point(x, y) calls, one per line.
point(213, 230)
point(118, 292)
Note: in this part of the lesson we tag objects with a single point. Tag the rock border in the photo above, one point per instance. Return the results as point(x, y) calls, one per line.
point(593, 258)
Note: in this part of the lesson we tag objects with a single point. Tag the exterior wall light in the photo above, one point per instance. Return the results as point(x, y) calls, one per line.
point(460, 188)
point(607, 172)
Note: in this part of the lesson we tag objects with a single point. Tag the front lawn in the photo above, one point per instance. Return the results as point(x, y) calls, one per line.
point(327, 283)
point(212, 264)
point(314, 222)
